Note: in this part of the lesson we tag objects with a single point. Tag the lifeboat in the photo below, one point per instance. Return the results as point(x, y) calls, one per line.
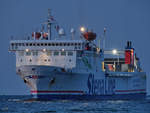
point(37, 35)
point(90, 36)
point(45, 35)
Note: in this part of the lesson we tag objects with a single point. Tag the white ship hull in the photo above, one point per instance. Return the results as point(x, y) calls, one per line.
point(48, 83)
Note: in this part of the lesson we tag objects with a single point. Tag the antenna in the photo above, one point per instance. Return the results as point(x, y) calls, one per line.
point(72, 31)
point(104, 38)
point(42, 29)
point(49, 24)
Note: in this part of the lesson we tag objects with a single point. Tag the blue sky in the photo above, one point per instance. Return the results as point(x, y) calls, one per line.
point(125, 20)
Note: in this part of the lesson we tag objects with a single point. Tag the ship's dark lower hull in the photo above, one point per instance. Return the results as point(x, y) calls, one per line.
point(133, 96)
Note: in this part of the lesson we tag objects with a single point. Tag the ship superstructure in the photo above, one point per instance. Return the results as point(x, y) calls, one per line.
point(77, 68)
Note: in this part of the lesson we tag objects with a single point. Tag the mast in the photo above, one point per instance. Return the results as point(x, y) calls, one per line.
point(104, 38)
point(49, 24)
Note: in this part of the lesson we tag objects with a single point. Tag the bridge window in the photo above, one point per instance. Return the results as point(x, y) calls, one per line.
point(49, 44)
point(27, 44)
point(60, 44)
point(56, 53)
point(30, 44)
point(22, 44)
point(64, 44)
point(63, 53)
point(70, 53)
point(28, 53)
point(35, 53)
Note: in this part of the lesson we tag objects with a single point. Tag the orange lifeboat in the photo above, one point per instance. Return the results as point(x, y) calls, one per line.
point(90, 36)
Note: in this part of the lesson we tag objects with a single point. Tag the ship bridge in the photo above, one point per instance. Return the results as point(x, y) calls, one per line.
point(61, 53)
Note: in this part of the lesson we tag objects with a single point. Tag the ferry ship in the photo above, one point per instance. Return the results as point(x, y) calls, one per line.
point(77, 68)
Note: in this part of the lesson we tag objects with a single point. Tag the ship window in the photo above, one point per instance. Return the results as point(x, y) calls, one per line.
point(49, 60)
point(35, 53)
point(53, 44)
point(60, 44)
point(49, 44)
point(68, 44)
point(21, 53)
point(38, 44)
point(75, 44)
point(12, 44)
point(45, 60)
point(20, 60)
point(70, 53)
point(33, 69)
point(30, 44)
point(64, 44)
point(27, 44)
point(49, 53)
point(56, 44)
point(63, 53)
point(45, 44)
point(28, 53)
point(56, 53)
point(19, 44)
point(22, 44)
point(72, 44)
point(33, 44)
point(41, 44)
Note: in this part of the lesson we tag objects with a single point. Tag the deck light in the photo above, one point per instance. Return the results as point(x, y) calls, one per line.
point(63, 49)
point(82, 29)
point(27, 50)
point(114, 51)
point(44, 50)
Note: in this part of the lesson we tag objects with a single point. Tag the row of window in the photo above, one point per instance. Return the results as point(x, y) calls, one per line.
point(49, 53)
point(46, 60)
point(46, 44)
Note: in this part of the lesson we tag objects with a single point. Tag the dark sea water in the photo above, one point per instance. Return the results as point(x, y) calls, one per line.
point(21, 104)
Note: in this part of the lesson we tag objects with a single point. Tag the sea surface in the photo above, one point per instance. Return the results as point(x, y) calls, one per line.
point(22, 104)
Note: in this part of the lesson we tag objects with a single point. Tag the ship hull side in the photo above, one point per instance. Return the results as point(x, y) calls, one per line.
point(53, 83)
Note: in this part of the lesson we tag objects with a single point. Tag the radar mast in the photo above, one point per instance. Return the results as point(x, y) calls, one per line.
point(49, 24)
